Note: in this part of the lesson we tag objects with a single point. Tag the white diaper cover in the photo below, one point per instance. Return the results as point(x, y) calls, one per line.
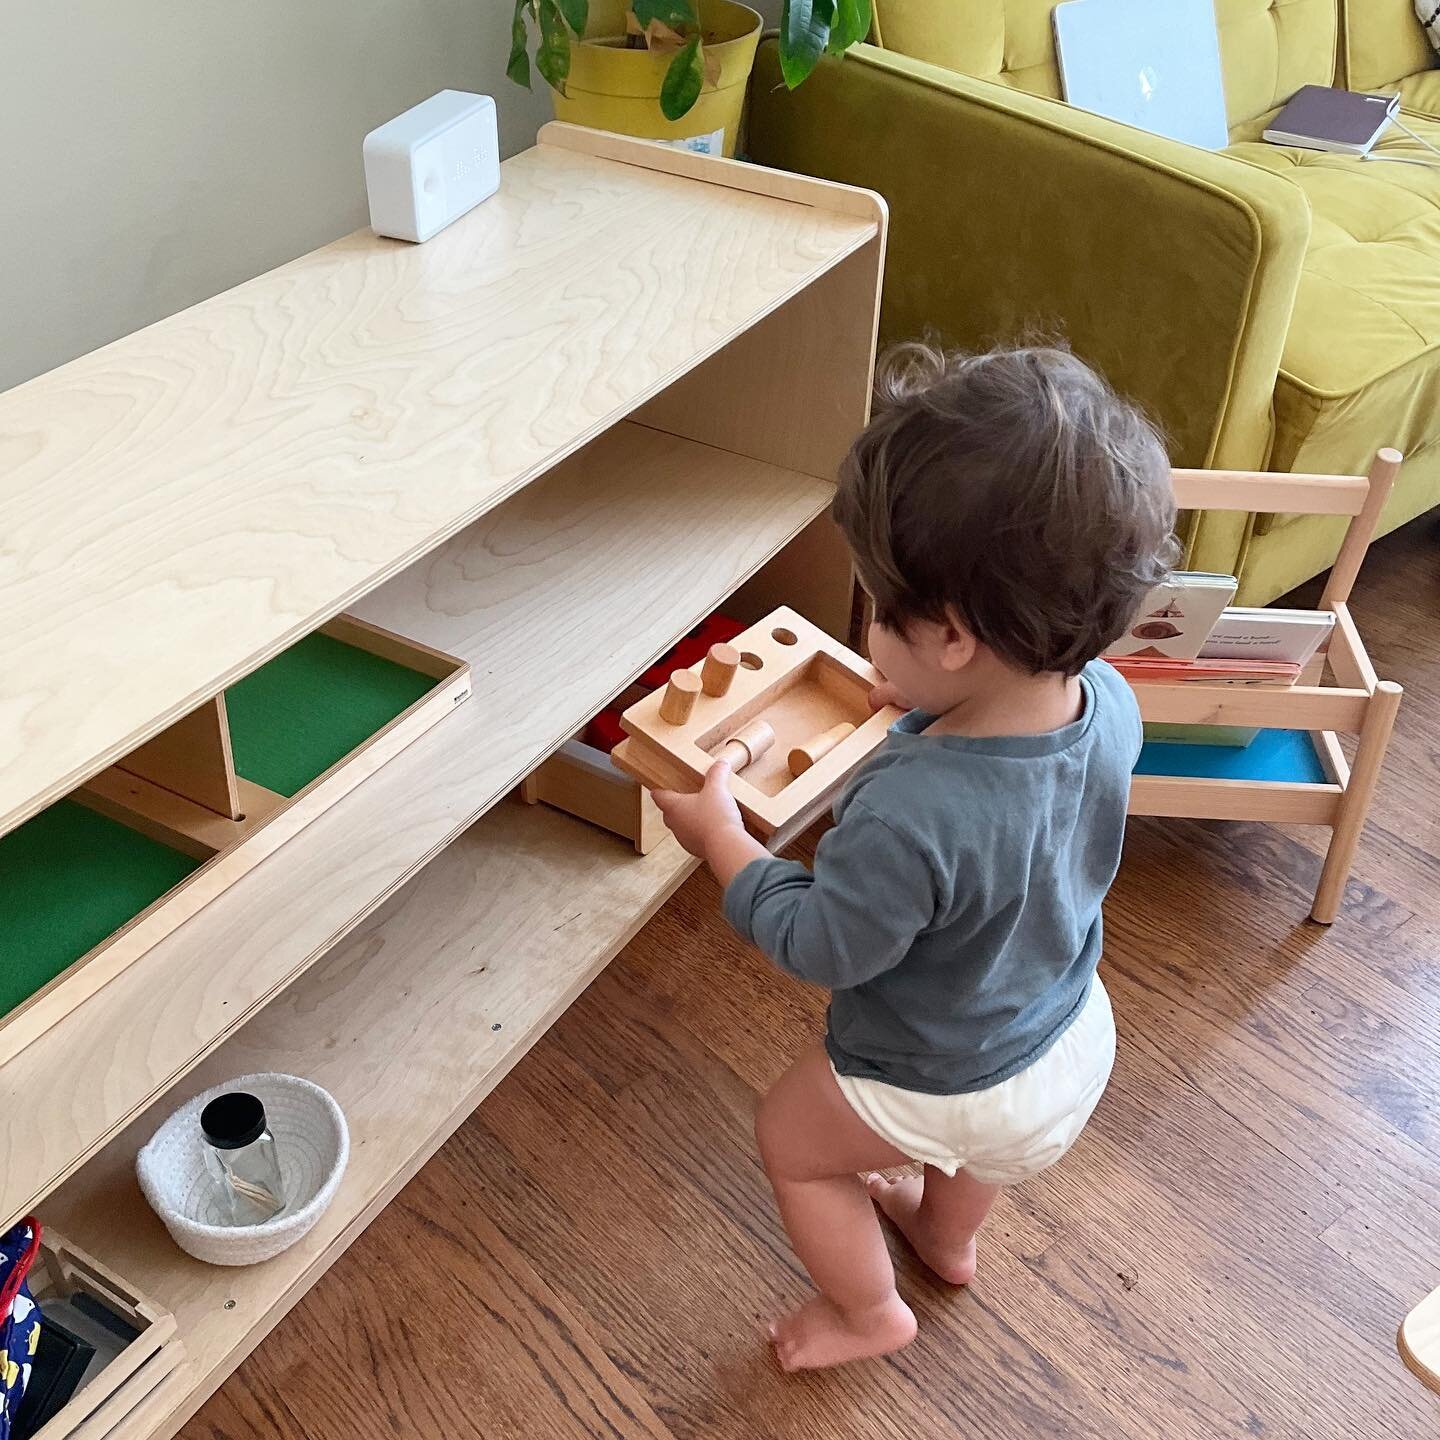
point(1013, 1130)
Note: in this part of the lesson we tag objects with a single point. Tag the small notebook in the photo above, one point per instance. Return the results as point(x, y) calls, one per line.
point(1344, 122)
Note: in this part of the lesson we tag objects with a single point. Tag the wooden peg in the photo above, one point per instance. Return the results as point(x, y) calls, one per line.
point(719, 670)
point(802, 757)
point(747, 745)
point(681, 693)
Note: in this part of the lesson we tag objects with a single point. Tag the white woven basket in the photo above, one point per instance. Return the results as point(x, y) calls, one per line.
point(313, 1144)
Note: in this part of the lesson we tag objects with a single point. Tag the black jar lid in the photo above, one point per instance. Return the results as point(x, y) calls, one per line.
point(231, 1121)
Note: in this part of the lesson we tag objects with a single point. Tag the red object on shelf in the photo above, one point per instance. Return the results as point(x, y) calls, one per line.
point(604, 731)
point(691, 650)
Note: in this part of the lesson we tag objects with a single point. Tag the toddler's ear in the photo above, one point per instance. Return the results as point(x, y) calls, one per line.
point(957, 644)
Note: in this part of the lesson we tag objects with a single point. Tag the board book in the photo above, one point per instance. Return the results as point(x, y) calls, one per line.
point(1288, 637)
point(1176, 617)
point(1142, 669)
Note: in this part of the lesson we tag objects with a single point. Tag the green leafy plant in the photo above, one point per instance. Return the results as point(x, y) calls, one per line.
point(808, 30)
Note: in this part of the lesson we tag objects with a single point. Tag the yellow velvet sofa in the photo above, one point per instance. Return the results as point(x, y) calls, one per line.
point(1272, 308)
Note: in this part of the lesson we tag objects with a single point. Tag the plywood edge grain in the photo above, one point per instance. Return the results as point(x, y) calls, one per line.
point(852, 200)
point(1419, 1340)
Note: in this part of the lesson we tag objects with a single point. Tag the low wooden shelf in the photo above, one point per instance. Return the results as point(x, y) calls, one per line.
point(547, 442)
point(216, 486)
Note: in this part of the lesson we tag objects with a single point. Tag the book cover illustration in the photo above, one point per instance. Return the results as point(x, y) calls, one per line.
point(1177, 617)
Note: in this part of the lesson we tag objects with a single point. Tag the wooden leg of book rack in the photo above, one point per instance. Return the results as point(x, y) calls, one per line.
point(1355, 802)
point(1361, 531)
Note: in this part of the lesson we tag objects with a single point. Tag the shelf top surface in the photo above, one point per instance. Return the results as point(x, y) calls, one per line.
point(185, 502)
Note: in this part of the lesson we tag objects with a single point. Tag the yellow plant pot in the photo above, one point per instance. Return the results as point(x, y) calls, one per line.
point(615, 88)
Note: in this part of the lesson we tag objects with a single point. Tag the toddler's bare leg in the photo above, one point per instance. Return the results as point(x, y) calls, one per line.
point(939, 1216)
point(814, 1146)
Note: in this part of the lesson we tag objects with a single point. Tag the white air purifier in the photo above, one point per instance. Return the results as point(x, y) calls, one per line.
point(432, 164)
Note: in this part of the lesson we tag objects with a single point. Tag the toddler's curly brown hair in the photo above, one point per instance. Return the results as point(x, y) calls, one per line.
point(1014, 491)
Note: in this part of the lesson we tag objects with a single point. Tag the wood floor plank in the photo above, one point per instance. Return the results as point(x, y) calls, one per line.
point(480, 1346)
point(726, 1265)
point(252, 1403)
point(1398, 1251)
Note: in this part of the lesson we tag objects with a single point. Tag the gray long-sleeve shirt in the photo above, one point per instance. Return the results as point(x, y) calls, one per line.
point(954, 910)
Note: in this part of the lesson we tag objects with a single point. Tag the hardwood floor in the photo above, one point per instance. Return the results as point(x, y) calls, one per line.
point(1227, 1251)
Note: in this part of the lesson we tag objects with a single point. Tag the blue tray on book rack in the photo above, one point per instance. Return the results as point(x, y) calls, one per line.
point(1271, 755)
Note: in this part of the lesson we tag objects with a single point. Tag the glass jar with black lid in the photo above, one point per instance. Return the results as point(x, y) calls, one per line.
point(242, 1159)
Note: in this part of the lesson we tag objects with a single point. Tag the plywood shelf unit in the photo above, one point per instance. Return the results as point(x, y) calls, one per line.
point(548, 442)
point(1354, 700)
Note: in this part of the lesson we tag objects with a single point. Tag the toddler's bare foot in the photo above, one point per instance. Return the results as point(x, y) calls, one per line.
point(819, 1333)
point(900, 1200)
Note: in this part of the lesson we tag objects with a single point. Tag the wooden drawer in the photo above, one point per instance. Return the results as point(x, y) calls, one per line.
point(585, 782)
point(95, 1410)
point(88, 886)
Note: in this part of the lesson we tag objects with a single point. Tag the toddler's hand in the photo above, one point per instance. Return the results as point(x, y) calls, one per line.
point(696, 820)
point(885, 694)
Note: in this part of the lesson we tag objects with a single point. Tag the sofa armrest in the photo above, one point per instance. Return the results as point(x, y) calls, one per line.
point(1171, 269)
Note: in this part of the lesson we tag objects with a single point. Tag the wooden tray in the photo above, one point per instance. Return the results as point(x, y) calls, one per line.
point(585, 782)
point(799, 681)
point(181, 790)
point(60, 1271)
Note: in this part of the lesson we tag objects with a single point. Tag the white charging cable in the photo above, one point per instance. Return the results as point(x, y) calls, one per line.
point(1399, 124)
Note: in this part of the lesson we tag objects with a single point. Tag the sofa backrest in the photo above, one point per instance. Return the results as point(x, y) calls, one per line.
point(1384, 42)
point(1269, 48)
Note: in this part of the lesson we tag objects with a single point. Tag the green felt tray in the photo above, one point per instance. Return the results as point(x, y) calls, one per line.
point(312, 705)
point(70, 878)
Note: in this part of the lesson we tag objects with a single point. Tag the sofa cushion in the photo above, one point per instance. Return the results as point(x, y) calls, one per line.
point(1420, 94)
point(1269, 48)
point(1008, 41)
point(1384, 42)
point(1361, 366)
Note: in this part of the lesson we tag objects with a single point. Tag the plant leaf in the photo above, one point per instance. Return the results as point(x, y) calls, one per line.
point(660, 38)
point(553, 57)
point(518, 66)
point(852, 24)
point(576, 13)
point(804, 33)
point(683, 81)
point(676, 14)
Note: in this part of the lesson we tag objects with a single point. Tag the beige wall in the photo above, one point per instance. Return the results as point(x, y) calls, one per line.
point(156, 153)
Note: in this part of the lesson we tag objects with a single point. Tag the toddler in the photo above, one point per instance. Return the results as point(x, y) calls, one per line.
point(1007, 513)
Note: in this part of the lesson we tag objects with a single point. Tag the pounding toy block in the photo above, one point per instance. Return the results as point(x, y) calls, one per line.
point(812, 693)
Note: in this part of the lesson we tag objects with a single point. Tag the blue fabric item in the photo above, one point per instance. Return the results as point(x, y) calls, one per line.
point(954, 910)
point(20, 1322)
point(1271, 755)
